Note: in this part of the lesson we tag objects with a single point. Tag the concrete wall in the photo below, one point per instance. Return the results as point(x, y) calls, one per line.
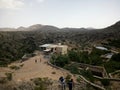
point(61, 49)
point(98, 69)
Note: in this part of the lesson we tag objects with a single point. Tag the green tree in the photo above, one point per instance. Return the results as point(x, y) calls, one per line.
point(87, 74)
point(116, 57)
point(113, 64)
point(84, 57)
point(105, 82)
point(61, 60)
point(74, 56)
point(95, 59)
point(73, 68)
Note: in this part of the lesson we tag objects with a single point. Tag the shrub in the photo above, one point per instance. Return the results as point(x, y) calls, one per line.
point(73, 68)
point(105, 82)
point(78, 79)
point(74, 56)
point(68, 77)
point(53, 72)
point(3, 80)
point(9, 76)
point(41, 83)
point(4, 62)
point(14, 67)
point(21, 65)
point(60, 60)
point(116, 57)
point(88, 75)
point(113, 64)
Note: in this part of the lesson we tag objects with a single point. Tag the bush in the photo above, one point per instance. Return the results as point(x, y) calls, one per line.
point(105, 82)
point(78, 79)
point(60, 60)
point(21, 65)
point(14, 67)
point(73, 68)
point(88, 75)
point(13, 46)
point(95, 59)
point(9, 76)
point(74, 56)
point(115, 43)
point(84, 57)
point(99, 52)
point(113, 64)
point(4, 62)
point(116, 57)
point(42, 83)
point(68, 77)
point(3, 80)
point(53, 72)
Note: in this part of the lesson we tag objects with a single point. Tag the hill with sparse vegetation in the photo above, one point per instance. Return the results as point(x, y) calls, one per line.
point(14, 43)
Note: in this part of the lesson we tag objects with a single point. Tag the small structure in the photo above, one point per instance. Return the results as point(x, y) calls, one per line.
point(107, 56)
point(27, 56)
point(54, 48)
point(24, 57)
point(101, 48)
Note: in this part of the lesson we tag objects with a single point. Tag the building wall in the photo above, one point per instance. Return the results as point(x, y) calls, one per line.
point(64, 50)
point(61, 50)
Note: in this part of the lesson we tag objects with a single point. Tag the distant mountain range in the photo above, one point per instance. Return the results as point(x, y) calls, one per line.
point(79, 35)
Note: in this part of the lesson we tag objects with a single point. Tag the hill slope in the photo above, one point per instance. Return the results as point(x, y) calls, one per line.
point(15, 43)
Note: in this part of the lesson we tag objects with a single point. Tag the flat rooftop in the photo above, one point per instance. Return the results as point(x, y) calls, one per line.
point(52, 45)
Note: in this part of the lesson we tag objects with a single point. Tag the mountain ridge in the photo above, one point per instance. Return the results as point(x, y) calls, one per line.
point(49, 33)
point(39, 26)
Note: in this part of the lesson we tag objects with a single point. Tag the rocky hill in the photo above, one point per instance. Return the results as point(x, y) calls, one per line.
point(14, 43)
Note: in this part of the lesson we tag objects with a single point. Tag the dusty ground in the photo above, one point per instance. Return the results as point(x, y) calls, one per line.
point(32, 69)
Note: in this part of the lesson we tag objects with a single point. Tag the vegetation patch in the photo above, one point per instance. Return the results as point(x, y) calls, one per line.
point(105, 82)
point(73, 68)
point(14, 67)
point(13, 45)
point(67, 78)
point(53, 72)
point(42, 83)
point(113, 64)
point(87, 74)
point(60, 60)
point(9, 76)
point(3, 80)
point(114, 43)
point(21, 65)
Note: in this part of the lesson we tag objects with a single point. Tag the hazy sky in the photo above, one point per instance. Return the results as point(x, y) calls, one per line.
point(60, 13)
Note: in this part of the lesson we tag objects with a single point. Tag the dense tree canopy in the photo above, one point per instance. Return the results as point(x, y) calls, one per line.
point(14, 45)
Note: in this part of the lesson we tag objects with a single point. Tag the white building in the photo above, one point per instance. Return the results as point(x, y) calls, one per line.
point(101, 48)
point(54, 48)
